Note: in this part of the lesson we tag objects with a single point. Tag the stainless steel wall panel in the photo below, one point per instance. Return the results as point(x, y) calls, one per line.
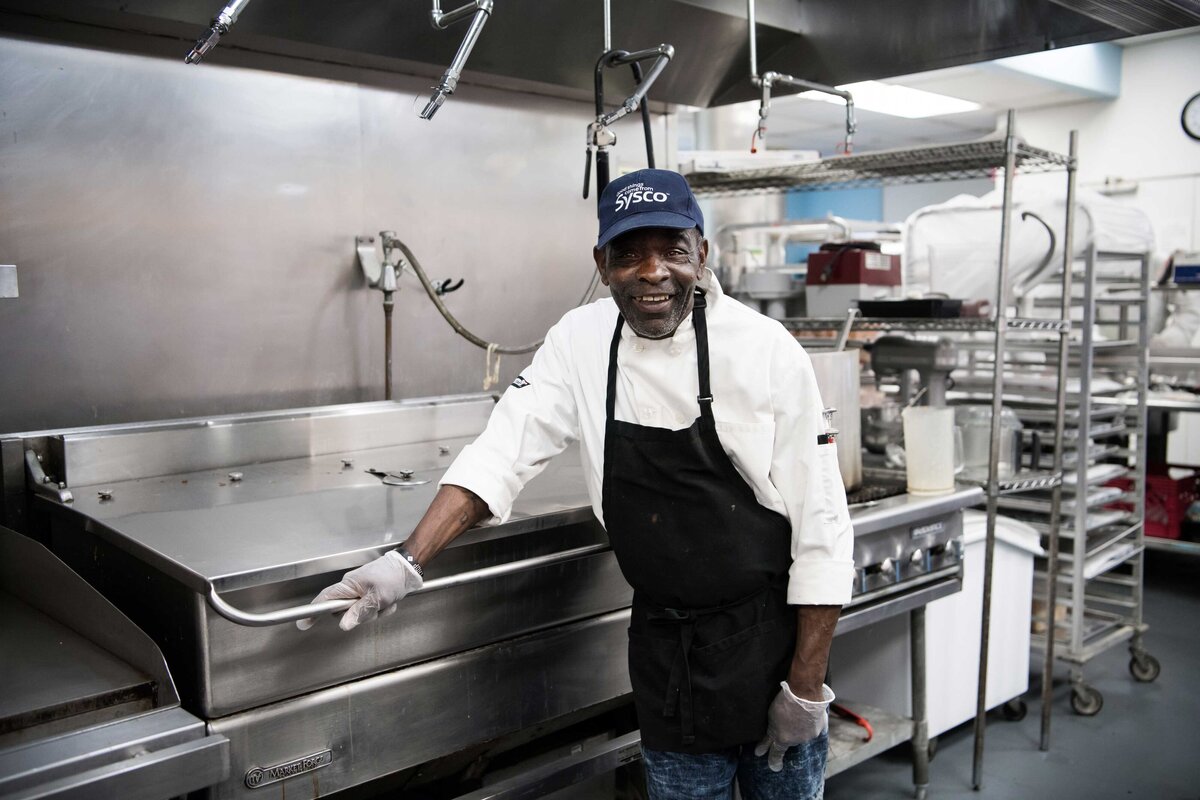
point(406, 717)
point(185, 234)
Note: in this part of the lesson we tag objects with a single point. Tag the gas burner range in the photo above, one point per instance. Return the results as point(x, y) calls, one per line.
point(905, 540)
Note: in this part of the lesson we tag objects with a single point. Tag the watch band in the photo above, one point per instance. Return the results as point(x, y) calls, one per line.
point(407, 556)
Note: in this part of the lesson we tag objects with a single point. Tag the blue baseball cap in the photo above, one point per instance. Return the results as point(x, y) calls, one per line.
point(648, 198)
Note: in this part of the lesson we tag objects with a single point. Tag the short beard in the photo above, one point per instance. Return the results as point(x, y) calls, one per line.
point(660, 328)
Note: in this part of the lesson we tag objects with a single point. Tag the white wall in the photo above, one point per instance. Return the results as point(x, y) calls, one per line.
point(1138, 138)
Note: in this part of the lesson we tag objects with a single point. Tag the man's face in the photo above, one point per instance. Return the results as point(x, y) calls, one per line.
point(652, 272)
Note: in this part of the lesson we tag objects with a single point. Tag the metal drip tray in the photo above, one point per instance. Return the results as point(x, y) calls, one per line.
point(874, 493)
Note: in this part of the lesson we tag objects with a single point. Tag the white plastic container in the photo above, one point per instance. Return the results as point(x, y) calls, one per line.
point(930, 449)
point(871, 665)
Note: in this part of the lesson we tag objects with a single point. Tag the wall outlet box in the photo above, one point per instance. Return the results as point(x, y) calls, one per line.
point(8, 280)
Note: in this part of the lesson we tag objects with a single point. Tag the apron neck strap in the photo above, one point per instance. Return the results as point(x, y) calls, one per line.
point(611, 398)
point(705, 397)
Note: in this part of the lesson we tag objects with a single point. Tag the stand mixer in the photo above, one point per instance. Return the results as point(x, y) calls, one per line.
point(914, 365)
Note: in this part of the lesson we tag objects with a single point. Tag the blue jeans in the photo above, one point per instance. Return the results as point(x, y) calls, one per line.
point(710, 776)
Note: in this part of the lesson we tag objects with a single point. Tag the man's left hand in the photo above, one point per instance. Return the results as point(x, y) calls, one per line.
point(792, 721)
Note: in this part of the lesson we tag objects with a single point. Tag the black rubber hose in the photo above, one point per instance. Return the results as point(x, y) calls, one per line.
point(454, 323)
point(637, 77)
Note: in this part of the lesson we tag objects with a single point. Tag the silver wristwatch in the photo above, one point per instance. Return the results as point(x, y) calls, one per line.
point(407, 556)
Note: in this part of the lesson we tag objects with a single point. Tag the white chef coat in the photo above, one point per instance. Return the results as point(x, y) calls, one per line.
point(766, 404)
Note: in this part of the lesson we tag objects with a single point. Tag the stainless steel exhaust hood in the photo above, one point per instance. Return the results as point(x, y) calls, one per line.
point(550, 46)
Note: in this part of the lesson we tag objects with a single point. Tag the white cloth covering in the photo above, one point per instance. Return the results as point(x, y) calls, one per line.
point(767, 407)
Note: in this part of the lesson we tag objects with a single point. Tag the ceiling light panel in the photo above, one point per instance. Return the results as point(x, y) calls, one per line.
point(898, 101)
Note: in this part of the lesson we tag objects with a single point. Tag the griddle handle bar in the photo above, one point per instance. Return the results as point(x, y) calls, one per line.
point(251, 619)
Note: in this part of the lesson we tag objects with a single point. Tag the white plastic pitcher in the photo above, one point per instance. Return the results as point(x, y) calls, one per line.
point(932, 449)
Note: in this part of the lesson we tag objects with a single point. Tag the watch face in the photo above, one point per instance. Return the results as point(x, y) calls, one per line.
point(1190, 118)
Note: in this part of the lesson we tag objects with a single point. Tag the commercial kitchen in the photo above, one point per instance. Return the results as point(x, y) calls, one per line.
point(267, 269)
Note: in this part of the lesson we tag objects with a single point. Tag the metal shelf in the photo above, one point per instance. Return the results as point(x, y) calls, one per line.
point(884, 168)
point(1175, 287)
point(1102, 634)
point(934, 324)
point(1042, 505)
point(1030, 481)
point(846, 739)
point(1172, 545)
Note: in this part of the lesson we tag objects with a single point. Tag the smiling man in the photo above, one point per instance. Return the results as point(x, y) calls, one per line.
point(699, 422)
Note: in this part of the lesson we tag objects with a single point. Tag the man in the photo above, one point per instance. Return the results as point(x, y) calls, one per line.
point(702, 436)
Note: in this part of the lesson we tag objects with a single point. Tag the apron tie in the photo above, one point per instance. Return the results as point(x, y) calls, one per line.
point(678, 696)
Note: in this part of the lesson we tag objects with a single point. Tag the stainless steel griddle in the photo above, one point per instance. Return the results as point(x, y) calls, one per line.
point(213, 534)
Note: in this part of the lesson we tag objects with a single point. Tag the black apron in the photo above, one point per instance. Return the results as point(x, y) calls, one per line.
point(711, 634)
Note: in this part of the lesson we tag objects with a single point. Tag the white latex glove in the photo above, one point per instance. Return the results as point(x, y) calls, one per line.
point(792, 721)
point(380, 585)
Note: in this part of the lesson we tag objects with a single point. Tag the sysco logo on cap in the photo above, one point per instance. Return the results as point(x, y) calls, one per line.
point(639, 193)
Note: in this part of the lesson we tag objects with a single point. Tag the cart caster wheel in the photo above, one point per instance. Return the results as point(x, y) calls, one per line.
point(932, 747)
point(1015, 710)
point(920, 793)
point(1144, 668)
point(1086, 701)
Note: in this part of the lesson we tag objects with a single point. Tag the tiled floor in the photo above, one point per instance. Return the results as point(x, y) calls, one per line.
point(1145, 743)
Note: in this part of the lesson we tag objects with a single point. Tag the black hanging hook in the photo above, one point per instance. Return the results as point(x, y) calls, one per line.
point(445, 286)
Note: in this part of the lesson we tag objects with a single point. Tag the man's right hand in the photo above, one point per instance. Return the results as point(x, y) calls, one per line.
point(378, 586)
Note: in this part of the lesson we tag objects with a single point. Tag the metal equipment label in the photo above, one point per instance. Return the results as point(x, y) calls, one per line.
point(880, 261)
point(261, 776)
point(927, 530)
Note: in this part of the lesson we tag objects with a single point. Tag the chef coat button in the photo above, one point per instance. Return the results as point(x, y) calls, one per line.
point(674, 350)
point(639, 347)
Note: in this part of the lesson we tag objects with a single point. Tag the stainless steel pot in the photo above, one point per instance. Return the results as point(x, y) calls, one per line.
point(837, 378)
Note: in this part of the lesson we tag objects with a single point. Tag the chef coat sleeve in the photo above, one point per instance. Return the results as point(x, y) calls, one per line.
point(806, 475)
point(535, 420)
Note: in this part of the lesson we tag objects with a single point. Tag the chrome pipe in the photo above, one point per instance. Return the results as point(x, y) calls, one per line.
point(1060, 411)
point(216, 29)
point(481, 9)
point(993, 482)
point(768, 79)
point(663, 53)
point(607, 25)
point(753, 41)
point(252, 619)
point(443, 20)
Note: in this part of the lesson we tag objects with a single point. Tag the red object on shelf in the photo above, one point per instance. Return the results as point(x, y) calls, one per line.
point(852, 263)
point(1167, 501)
